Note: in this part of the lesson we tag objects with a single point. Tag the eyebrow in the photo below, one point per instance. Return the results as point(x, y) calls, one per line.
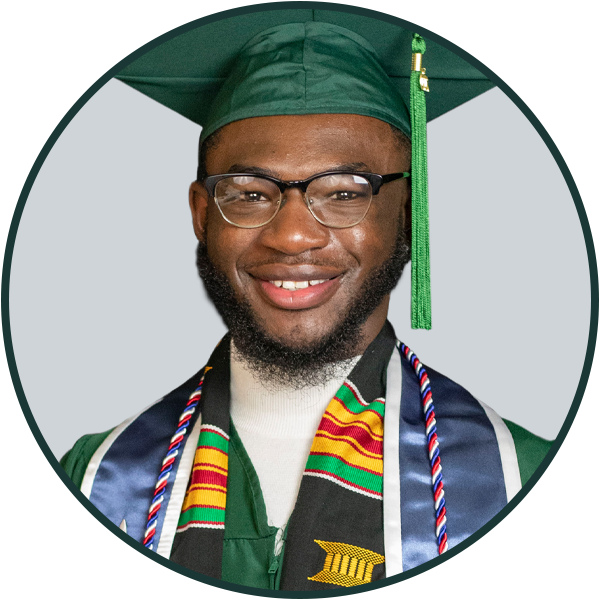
point(240, 168)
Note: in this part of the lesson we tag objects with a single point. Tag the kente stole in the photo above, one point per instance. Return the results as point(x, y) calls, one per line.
point(335, 534)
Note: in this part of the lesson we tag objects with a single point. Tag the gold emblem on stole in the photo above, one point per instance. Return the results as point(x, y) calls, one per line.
point(347, 565)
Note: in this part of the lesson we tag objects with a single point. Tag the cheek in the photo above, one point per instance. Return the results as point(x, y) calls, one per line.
point(220, 241)
point(374, 242)
point(227, 245)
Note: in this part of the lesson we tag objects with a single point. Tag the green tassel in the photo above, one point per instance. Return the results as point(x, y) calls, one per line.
point(420, 275)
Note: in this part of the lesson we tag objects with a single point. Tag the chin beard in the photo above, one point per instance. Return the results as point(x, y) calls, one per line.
point(276, 362)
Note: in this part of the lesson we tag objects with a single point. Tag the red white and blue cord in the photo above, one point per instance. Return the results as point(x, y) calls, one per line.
point(167, 465)
point(432, 448)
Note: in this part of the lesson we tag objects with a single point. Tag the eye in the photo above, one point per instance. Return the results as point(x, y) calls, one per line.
point(343, 188)
point(249, 196)
point(347, 196)
point(344, 195)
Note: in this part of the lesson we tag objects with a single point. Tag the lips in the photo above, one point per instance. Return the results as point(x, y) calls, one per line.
point(296, 288)
point(303, 298)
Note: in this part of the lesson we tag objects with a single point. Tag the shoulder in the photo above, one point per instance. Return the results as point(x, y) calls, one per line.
point(531, 449)
point(76, 460)
point(141, 426)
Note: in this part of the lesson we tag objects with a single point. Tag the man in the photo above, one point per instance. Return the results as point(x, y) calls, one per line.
point(302, 210)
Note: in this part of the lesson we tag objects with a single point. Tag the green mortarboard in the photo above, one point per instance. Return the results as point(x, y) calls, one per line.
point(293, 62)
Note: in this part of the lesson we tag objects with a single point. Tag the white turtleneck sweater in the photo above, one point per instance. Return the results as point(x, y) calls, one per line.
point(277, 427)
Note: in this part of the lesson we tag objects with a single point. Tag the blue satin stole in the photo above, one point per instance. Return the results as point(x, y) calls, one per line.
point(471, 466)
point(124, 484)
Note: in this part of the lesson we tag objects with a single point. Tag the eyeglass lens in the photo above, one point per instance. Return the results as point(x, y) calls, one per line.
point(337, 200)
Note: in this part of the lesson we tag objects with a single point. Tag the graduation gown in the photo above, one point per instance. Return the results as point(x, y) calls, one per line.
point(365, 509)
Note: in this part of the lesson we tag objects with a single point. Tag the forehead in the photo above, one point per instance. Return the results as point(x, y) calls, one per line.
point(297, 146)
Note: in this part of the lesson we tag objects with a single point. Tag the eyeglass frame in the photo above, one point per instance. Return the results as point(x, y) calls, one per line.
point(375, 180)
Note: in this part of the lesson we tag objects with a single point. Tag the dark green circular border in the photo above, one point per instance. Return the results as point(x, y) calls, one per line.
point(587, 234)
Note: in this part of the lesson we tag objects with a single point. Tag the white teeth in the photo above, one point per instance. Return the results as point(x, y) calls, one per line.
point(297, 285)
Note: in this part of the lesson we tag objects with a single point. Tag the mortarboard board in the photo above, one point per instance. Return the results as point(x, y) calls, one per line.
point(247, 66)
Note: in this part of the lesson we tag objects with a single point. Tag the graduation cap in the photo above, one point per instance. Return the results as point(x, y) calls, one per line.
point(294, 61)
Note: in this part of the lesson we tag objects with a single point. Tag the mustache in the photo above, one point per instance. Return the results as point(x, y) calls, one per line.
point(300, 259)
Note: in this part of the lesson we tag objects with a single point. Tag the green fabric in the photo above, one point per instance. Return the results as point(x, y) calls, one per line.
point(76, 460)
point(530, 448)
point(249, 540)
point(186, 72)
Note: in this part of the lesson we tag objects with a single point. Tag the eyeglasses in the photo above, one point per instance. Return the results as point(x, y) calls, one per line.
point(335, 199)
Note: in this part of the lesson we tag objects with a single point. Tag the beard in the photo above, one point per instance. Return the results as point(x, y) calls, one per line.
point(280, 364)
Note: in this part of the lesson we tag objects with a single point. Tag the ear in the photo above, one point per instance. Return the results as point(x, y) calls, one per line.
point(199, 207)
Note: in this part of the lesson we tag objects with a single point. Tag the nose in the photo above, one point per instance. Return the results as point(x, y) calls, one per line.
point(294, 230)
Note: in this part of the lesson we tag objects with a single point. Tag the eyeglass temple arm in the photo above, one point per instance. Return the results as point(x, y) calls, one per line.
point(393, 177)
point(376, 185)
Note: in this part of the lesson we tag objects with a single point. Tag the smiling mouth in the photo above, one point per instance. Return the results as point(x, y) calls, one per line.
point(301, 294)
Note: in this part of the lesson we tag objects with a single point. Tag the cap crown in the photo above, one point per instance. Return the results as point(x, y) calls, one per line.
point(307, 68)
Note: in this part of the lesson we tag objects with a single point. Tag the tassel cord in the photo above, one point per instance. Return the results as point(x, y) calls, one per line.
point(420, 274)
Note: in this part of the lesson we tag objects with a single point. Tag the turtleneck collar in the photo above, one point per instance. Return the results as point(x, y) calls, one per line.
point(279, 411)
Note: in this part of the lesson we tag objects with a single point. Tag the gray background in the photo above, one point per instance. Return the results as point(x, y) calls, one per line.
point(107, 312)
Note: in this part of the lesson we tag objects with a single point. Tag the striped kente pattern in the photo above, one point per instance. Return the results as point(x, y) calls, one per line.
point(348, 445)
point(204, 504)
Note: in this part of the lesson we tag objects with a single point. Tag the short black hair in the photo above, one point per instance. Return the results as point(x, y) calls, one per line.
point(212, 141)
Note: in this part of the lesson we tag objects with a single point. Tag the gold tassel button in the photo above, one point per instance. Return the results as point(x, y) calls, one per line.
point(417, 62)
